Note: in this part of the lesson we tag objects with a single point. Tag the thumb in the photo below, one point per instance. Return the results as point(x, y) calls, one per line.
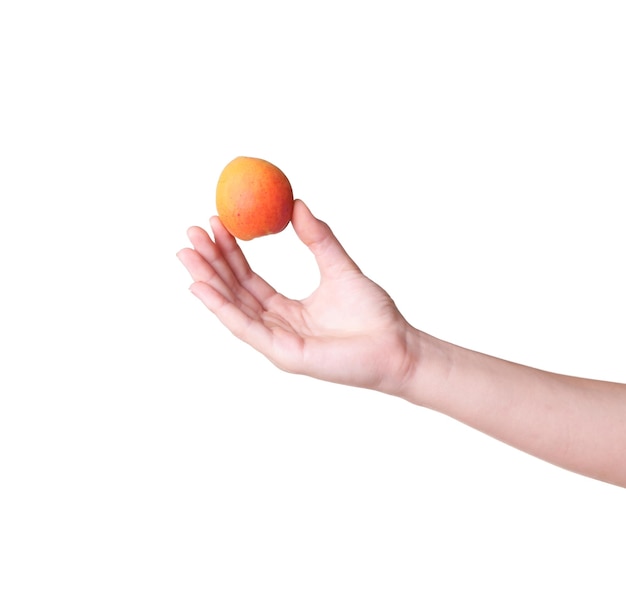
point(318, 237)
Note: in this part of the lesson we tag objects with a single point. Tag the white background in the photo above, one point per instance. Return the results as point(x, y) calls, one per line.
point(469, 155)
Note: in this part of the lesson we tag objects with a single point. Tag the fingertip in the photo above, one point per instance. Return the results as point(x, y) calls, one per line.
point(195, 232)
point(223, 238)
point(300, 209)
point(309, 228)
point(208, 295)
point(317, 235)
point(299, 203)
point(217, 226)
point(194, 288)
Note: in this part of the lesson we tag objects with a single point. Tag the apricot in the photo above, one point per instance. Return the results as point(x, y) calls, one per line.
point(253, 198)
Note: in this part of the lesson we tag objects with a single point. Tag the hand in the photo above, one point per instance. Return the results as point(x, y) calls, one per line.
point(348, 331)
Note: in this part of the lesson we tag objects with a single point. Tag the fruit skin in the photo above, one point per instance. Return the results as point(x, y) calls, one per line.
point(253, 198)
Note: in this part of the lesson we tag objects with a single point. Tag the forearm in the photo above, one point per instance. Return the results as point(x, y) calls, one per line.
point(578, 424)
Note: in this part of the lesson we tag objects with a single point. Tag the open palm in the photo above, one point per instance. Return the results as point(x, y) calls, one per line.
point(347, 331)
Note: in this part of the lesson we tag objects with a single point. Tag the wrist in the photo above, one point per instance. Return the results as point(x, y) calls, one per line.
point(429, 369)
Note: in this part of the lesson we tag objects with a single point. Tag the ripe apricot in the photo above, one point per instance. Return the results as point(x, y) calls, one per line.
point(253, 198)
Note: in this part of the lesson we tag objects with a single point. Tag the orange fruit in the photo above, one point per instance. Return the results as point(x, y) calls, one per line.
point(253, 198)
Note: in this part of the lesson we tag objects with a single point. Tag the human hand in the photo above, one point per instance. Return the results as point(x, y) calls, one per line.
point(347, 331)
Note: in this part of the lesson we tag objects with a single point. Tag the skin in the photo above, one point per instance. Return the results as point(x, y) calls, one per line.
point(349, 331)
